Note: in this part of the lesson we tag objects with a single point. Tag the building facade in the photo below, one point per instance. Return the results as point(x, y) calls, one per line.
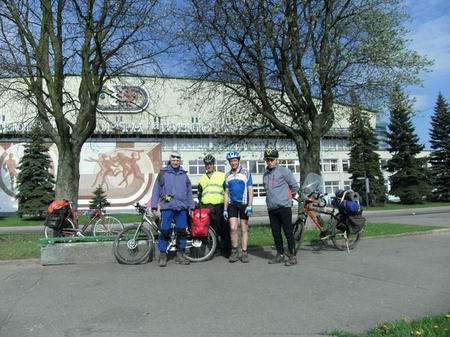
point(142, 120)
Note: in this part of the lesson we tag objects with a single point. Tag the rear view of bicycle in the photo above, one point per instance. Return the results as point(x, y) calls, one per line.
point(62, 221)
point(340, 228)
point(136, 243)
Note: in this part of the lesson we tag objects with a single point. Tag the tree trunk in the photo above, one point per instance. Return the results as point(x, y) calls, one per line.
point(309, 156)
point(68, 178)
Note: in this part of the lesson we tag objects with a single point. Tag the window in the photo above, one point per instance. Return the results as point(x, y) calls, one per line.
point(196, 167)
point(195, 191)
point(331, 187)
point(383, 164)
point(119, 118)
point(345, 165)
point(256, 166)
point(347, 185)
point(221, 165)
point(292, 165)
point(258, 190)
point(329, 165)
point(194, 119)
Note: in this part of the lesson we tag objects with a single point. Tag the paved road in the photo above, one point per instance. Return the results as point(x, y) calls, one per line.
point(438, 216)
point(383, 279)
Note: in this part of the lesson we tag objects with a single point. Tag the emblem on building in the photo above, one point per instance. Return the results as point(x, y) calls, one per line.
point(123, 99)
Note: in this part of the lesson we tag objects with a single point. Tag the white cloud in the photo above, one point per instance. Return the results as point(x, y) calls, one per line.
point(432, 38)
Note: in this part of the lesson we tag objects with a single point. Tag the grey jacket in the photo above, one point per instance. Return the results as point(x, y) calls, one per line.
point(279, 184)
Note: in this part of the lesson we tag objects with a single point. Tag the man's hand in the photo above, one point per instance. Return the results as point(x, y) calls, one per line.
point(249, 211)
point(225, 214)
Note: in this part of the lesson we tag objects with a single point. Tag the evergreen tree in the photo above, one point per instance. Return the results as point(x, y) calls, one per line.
point(440, 155)
point(99, 201)
point(35, 183)
point(364, 161)
point(409, 179)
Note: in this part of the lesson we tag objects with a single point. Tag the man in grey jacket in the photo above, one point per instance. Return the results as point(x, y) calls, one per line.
point(281, 186)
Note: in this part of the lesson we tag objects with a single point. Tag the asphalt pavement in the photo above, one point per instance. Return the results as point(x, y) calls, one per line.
point(381, 280)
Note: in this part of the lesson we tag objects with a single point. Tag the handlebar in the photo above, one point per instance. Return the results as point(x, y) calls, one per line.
point(318, 199)
point(141, 209)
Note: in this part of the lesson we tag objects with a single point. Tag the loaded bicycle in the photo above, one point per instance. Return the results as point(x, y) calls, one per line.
point(65, 222)
point(135, 244)
point(338, 228)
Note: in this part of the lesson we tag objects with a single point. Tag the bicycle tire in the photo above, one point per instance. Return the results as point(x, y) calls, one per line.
point(339, 232)
point(68, 223)
point(107, 225)
point(299, 233)
point(128, 251)
point(201, 249)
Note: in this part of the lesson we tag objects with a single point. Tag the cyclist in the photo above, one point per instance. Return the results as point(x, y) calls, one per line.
point(173, 193)
point(211, 196)
point(238, 204)
point(280, 186)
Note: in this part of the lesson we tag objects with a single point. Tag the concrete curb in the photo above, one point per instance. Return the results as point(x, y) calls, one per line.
point(77, 253)
point(429, 232)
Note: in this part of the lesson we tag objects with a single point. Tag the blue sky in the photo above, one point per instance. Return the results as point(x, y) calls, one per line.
point(430, 36)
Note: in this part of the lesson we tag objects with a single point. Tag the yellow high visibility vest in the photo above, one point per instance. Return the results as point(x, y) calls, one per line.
point(212, 188)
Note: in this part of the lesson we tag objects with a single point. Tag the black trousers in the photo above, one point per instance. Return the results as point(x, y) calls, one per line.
point(221, 227)
point(282, 218)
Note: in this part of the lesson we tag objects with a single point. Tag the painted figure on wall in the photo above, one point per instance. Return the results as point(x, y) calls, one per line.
point(10, 167)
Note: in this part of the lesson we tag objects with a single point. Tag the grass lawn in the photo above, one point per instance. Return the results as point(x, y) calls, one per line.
point(19, 246)
point(429, 326)
point(24, 246)
point(262, 236)
point(16, 221)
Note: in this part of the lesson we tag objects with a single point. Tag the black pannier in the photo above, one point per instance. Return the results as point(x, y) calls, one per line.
point(56, 219)
point(355, 223)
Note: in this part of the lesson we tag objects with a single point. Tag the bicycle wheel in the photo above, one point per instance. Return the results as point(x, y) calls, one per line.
point(299, 233)
point(341, 237)
point(133, 245)
point(201, 249)
point(107, 225)
point(67, 230)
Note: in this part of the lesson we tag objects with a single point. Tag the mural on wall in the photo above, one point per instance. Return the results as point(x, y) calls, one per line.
point(125, 171)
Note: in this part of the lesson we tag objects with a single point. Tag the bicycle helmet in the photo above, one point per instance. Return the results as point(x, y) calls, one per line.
point(209, 159)
point(233, 155)
point(270, 153)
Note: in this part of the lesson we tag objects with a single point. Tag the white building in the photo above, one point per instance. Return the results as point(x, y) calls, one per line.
point(141, 113)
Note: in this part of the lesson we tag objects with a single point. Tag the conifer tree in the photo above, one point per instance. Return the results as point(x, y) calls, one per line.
point(409, 176)
point(99, 201)
point(440, 154)
point(364, 161)
point(35, 183)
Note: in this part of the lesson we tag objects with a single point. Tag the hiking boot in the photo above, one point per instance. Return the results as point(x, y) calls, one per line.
point(244, 257)
point(181, 259)
point(233, 256)
point(162, 259)
point(291, 260)
point(279, 258)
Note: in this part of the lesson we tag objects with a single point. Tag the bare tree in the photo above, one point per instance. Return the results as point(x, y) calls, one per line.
point(288, 62)
point(42, 42)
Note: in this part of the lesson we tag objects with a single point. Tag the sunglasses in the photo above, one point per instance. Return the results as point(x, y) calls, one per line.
point(175, 158)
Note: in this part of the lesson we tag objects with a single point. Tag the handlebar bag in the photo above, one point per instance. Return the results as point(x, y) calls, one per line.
point(200, 222)
point(55, 220)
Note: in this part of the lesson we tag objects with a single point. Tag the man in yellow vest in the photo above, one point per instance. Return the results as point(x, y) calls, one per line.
point(211, 189)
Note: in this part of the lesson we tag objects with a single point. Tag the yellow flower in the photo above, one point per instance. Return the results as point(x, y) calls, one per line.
point(435, 326)
point(418, 332)
point(448, 315)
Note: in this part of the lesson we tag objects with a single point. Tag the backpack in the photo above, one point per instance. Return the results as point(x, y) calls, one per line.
point(56, 219)
point(200, 222)
point(57, 204)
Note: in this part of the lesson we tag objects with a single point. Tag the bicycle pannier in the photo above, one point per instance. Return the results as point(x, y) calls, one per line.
point(200, 222)
point(57, 204)
point(56, 219)
point(355, 223)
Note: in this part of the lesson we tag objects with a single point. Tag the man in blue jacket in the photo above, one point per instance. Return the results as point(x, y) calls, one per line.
point(280, 186)
point(173, 193)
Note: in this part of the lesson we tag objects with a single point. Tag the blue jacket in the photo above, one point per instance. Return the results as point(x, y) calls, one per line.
point(175, 184)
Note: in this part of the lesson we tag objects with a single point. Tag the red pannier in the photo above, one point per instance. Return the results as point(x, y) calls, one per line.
point(200, 222)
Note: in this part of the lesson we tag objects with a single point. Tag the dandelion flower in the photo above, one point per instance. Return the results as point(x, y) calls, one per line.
point(448, 315)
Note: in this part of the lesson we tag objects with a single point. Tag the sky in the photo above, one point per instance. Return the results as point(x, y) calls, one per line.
point(430, 36)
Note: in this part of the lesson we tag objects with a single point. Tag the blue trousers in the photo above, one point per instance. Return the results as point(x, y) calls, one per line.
point(167, 216)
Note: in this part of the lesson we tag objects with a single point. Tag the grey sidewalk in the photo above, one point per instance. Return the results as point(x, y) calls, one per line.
point(381, 280)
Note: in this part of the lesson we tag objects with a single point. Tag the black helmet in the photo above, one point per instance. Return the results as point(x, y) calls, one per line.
point(209, 159)
point(270, 153)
